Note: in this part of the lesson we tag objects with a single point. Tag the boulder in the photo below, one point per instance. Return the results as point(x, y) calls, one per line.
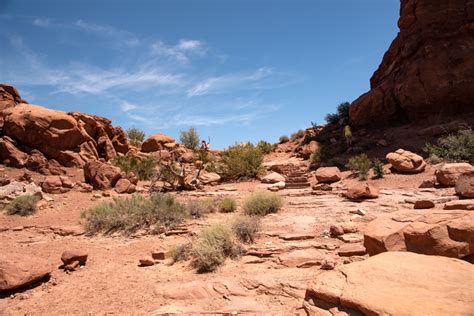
point(56, 184)
point(156, 142)
point(362, 190)
point(9, 96)
point(124, 186)
point(273, 177)
point(465, 185)
point(328, 174)
point(209, 177)
point(37, 162)
point(101, 175)
point(427, 70)
point(10, 155)
point(406, 161)
point(187, 157)
point(70, 256)
point(307, 150)
point(449, 173)
point(425, 233)
point(396, 283)
point(277, 186)
point(17, 271)
point(351, 249)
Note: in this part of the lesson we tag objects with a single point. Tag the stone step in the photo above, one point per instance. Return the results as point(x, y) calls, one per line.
point(296, 180)
point(297, 185)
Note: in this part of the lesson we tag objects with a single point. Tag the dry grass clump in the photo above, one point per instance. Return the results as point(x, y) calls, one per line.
point(361, 165)
point(227, 205)
point(212, 247)
point(199, 208)
point(246, 228)
point(241, 162)
point(128, 215)
point(263, 203)
point(23, 205)
point(181, 252)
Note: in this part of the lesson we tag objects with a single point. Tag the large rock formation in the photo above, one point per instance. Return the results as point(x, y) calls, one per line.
point(394, 283)
point(70, 138)
point(428, 68)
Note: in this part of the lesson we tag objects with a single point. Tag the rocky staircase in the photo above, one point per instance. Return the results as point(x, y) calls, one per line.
point(296, 177)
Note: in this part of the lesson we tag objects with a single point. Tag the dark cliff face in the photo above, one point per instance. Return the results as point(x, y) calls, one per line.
point(429, 67)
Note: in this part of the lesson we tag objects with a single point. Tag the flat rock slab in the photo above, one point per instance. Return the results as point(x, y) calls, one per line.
point(17, 271)
point(348, 250)
point(303, 258)
point(398, 283)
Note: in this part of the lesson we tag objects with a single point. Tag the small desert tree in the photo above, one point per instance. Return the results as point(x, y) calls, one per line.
point(190, 138)
point(135, 136)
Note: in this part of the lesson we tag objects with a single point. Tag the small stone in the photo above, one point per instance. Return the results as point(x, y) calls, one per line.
point(328, 264)
point(427, 184)
point(106, 193)
point(336, 230)
point(146, 262)
point(69, 256)
point(423, 204)
point(159, 255)
point(72, 266)
point(359, 211)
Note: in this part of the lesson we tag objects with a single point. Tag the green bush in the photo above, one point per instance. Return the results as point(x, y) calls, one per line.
point(361, 165)
point(342, 113)
point(128, 215)
point(263, 203)
point(378, 169)
point(23, 205)
point(227, 205)
point(135, 137)
point(453, 147)
point(213, 245)
point(181, 252)
point(144, 169)
point(190, 138)
point(284, 139)
point(241, 162)
point(246, 228)
point(266, 147)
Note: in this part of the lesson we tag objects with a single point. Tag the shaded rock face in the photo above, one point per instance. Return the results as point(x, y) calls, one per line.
point(102, 176)
point(70, 138)
point(428, 68)
point(395, 283)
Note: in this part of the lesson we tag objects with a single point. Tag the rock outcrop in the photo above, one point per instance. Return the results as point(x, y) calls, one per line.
point(428, 68)
point(429, 233)
point(465, 185)
point(70, 138)
point(449, 173)
point(394, 283)
point(405, 161)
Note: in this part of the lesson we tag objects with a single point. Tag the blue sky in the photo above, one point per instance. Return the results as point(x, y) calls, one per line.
point(235, 70)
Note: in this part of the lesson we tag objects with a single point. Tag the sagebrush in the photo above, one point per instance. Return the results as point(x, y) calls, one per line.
point(263, 203)
point(378, 169)
point(135, 136)
point(246, 228)
point(361, 165)
point(23, 205)
point(190, 138)
point(284, 139)
point(227, 205)
point(265, 147)
point(128, 215)
point(213, 246)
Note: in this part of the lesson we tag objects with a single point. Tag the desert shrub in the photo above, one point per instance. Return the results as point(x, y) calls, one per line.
point(135, 137)
point(265, 147)
point(317, 156)
point(453, 147)
point(190, 138)
point(227, 205)
point(284, 139)
point(23, 205)
point(434, 159)
point(263, 203)
point(201, 207)
point(144, 169)
point(181, 252)
point(378, 169)
point(241, 161)
point(342, 113)
point(361, 165)
point(246, 228)
point(128, 215)
point(298, 135)
point(213, 245)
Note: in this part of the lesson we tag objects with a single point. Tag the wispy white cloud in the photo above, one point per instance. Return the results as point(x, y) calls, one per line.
point(233, 81)
point(108, 31)
point(127, 106)
point(42, 22)
point(181, 51)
